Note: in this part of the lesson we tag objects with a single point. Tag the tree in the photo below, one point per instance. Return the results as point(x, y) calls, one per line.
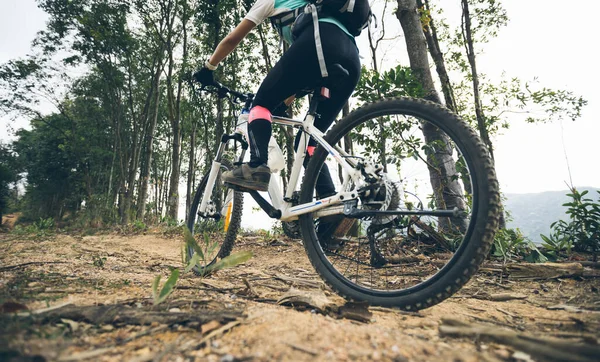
point(448, 191)
point(9, 175)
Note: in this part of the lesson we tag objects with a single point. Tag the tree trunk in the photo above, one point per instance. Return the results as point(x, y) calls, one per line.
point(481, 118)
point(191, 171)
point(448, 193)
point(148, 145)
point(433, 43)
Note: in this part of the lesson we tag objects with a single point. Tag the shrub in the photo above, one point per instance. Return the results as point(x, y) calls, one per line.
point(581, 232)
point(510, 244)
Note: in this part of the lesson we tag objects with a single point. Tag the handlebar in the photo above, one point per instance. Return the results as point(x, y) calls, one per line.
point(221, 90)
point(225, 92)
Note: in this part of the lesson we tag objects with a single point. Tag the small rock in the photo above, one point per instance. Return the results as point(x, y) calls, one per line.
point(227, 358)
point(107, 327)
point(175, 310)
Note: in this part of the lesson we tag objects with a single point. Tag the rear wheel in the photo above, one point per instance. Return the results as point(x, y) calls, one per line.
point(215, 232)
point(427, 160)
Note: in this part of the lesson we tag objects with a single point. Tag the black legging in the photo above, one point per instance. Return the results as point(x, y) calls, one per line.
point(298, 69)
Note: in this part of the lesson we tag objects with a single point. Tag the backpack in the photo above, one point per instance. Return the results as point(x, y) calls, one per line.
point(353, 14)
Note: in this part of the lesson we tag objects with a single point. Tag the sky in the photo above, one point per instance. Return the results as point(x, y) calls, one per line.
point(544, 39)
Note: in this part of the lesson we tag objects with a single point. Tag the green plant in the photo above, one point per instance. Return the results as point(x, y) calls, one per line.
point(41, 229)
point(139, 226)
point(557, 242)
point(98, 261)
point(199, 260)
point(511, 244)
point(167, 289)
point(581, 232)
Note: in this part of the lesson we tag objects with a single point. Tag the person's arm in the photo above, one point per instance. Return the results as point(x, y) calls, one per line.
point(231, 41)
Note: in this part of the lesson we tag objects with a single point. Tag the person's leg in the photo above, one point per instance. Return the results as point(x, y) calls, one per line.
point(297, 69)
point(338, 49)
point(293, 72)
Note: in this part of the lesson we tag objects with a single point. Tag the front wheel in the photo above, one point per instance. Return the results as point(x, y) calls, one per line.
point(427, 160)
point(215, 232)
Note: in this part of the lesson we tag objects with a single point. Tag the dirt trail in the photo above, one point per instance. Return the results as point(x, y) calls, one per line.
point(111, 269)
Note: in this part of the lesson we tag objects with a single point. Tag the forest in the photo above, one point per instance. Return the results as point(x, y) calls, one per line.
point(114, 167)
point(128, 130)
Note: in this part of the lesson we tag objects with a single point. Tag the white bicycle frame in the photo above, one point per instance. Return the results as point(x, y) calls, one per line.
point(322, 207)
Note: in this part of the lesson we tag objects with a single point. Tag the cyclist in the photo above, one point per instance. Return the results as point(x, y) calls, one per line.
point(299, 68)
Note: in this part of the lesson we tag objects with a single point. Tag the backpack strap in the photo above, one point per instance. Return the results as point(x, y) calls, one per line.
point(311, 8)
point(284, 19)
point(288, 17)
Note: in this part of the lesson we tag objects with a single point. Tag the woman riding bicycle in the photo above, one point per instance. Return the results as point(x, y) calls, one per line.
point(299, 68)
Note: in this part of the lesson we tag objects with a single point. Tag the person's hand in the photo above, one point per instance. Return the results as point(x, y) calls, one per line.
point(205, 76)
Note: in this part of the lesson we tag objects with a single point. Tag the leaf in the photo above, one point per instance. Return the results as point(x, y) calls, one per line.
point(155, 287)
point(230, 261)
point(167, 289)
point(190, 242)
point(193, 261)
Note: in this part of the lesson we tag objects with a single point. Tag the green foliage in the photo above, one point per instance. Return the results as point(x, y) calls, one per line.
point(510, 244)
point(172, 227)
point(167, 288)
point(111, 133)
point(556, 244)
point(581, 232)
point(198, 260)
point(98, 261)
point(396, 82)
point(9, 175)
point(40, 230)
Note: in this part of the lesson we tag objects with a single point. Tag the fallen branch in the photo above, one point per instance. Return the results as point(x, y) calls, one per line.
point(540, 347)
point(500, 297)
point(125, 315)
point(219, 331)
point(589, 264)
point(308, 299)
point(543, 271)
point(12, 267)
point(397, 311)
point(302, 349)
point(431, 232)
point(85, 355)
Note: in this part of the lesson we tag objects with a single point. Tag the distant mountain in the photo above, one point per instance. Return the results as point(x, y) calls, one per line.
point(534, 213)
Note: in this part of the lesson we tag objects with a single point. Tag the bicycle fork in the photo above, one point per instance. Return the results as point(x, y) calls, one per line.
point(216, 166)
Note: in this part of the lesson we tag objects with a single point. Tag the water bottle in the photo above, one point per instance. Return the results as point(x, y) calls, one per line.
point(276, 160)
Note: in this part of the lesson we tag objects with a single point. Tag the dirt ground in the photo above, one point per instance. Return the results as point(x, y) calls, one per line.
point(119, 269)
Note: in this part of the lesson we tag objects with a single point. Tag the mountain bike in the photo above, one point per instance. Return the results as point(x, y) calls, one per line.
point(414, 215)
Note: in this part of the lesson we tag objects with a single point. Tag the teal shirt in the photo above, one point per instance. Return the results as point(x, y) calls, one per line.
point(294, 4)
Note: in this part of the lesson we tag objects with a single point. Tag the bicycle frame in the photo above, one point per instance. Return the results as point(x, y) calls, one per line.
point(288, 212)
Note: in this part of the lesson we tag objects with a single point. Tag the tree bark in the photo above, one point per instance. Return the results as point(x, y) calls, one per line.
point(149, 141)
point(433, 43)
point(174, 116)
point(481, 118)
point(448, 193)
